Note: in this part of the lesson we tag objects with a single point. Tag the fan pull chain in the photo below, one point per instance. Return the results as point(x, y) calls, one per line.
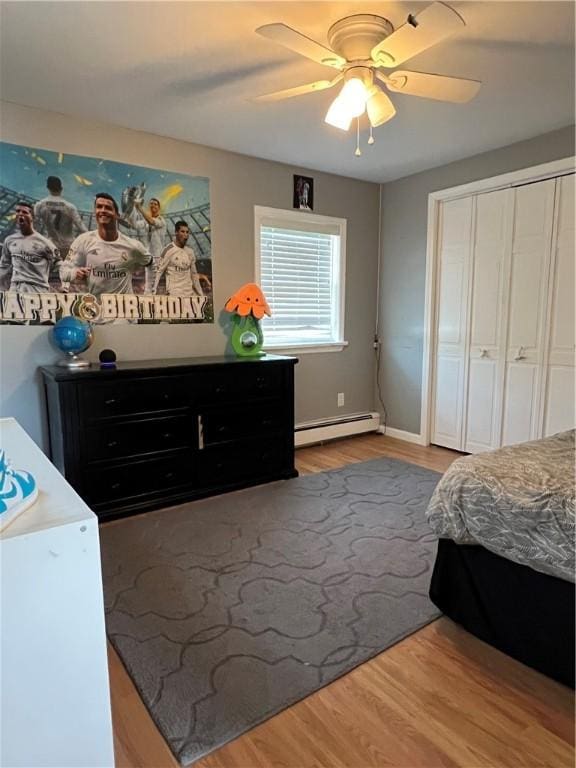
point(358, 150)
point(371, 138)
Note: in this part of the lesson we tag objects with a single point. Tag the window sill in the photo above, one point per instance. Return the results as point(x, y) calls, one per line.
point(303, 348)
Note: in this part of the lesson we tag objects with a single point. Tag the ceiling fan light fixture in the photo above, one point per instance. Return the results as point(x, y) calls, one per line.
point(354, 95)
point(359, 46)
point(379, 107)
point(350, 103)
point(338, 115)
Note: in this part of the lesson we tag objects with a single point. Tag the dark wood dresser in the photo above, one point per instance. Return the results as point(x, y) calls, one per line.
point(153, 433)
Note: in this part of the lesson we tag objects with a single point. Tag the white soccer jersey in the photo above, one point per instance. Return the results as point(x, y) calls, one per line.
point(58, 219)
point(153, 235)
point(179, 265)
point(111, 262)
point(157, 236)
point(28, 260)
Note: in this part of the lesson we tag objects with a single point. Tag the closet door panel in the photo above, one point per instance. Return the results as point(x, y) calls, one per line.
point(480, 422)
point(562, 333)
point(559, 407)
point(489, 247)
point(452, 309)
point(449, 379)
point(451, 320)
point(484, 392)
point(559, 414)
point(529, 273)
point(521, 398)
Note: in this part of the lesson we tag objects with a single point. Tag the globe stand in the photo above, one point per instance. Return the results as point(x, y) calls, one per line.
point(73, 361)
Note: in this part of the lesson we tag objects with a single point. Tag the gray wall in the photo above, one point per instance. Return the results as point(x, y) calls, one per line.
point(404, 219)
point(238, 183)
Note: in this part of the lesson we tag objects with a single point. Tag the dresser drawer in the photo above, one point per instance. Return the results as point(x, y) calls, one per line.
point(114, 440)
point(125, 397)
point(122, 481)
point(243, 460)
point(240, 422)
point(246, 382)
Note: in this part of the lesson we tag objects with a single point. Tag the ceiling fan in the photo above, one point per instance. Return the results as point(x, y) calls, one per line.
point(360, 46)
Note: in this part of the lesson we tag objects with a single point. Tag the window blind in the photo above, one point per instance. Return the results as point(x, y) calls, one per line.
point(298, 274)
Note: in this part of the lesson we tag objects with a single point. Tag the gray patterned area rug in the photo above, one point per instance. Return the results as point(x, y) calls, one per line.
point(227, 610)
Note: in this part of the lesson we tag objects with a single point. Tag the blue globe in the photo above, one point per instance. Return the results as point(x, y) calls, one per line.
point(72, 335)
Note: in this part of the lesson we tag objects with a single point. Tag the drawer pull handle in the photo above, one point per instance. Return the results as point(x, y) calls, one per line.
point(260, 381)
point(267, 422)
point(168, 475)
point(220, 388)
point(200, 433)
point(166, 435)
point(110, 402)
point(221, 429)
point(115, 486)
point(112, 443)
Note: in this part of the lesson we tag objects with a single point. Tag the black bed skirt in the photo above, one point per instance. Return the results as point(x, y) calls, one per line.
point(524, 613)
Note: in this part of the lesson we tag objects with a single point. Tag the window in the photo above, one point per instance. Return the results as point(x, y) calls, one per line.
point(300, 266)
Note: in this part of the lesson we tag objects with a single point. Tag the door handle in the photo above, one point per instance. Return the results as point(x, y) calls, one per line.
point(200, 433)
point(483, 352)
point(520, 354)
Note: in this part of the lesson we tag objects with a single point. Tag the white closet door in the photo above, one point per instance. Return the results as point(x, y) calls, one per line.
point(487, 339)
point(559, 404)
point(529, 270)
point(452, 303)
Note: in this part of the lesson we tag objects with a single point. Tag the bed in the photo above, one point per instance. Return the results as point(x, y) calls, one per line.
point(505, 568)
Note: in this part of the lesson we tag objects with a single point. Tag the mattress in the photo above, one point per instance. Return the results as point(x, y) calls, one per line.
point(517, 501)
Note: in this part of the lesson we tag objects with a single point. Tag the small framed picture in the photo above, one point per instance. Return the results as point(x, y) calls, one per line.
point(303, 193)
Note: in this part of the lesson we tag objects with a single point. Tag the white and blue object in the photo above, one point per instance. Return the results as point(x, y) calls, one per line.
point(72, 336)
point(18, 491)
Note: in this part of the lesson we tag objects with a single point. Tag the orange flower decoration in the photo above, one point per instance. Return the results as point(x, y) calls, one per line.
point(248, 299)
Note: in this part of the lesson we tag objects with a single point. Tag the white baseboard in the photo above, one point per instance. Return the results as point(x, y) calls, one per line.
point(317, 432)
point(400, 434)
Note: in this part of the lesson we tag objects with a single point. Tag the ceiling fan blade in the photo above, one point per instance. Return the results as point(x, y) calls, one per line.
point(432, 25)
point(440, 87)
point(379, 108)
point(299, 90)
point(289, 38)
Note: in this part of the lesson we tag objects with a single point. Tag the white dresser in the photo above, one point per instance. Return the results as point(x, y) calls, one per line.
point(55, 695)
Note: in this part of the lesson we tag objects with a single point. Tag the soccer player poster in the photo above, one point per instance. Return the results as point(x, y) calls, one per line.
point(104, 241)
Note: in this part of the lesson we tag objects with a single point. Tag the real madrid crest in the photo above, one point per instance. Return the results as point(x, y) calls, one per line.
point(87, 308)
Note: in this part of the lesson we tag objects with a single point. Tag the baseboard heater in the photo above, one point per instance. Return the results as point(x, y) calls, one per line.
point(318, 431)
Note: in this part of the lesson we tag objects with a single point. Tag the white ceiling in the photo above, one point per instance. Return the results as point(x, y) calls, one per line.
point(188, 69)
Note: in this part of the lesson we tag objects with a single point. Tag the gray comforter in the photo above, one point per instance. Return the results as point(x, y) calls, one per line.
point(517, 501)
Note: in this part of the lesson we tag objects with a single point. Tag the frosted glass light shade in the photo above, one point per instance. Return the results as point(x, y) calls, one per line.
point(338, 115)
point(379, 107)
point(350, 102)
point(354, 95)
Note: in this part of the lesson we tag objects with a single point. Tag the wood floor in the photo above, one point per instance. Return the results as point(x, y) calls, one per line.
point(440, 698)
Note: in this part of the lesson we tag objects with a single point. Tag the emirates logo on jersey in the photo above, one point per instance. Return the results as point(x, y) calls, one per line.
point(109, 270)
point(31, 258)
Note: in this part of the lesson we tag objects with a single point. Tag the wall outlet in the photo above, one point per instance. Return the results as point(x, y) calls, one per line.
point(340, 399)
